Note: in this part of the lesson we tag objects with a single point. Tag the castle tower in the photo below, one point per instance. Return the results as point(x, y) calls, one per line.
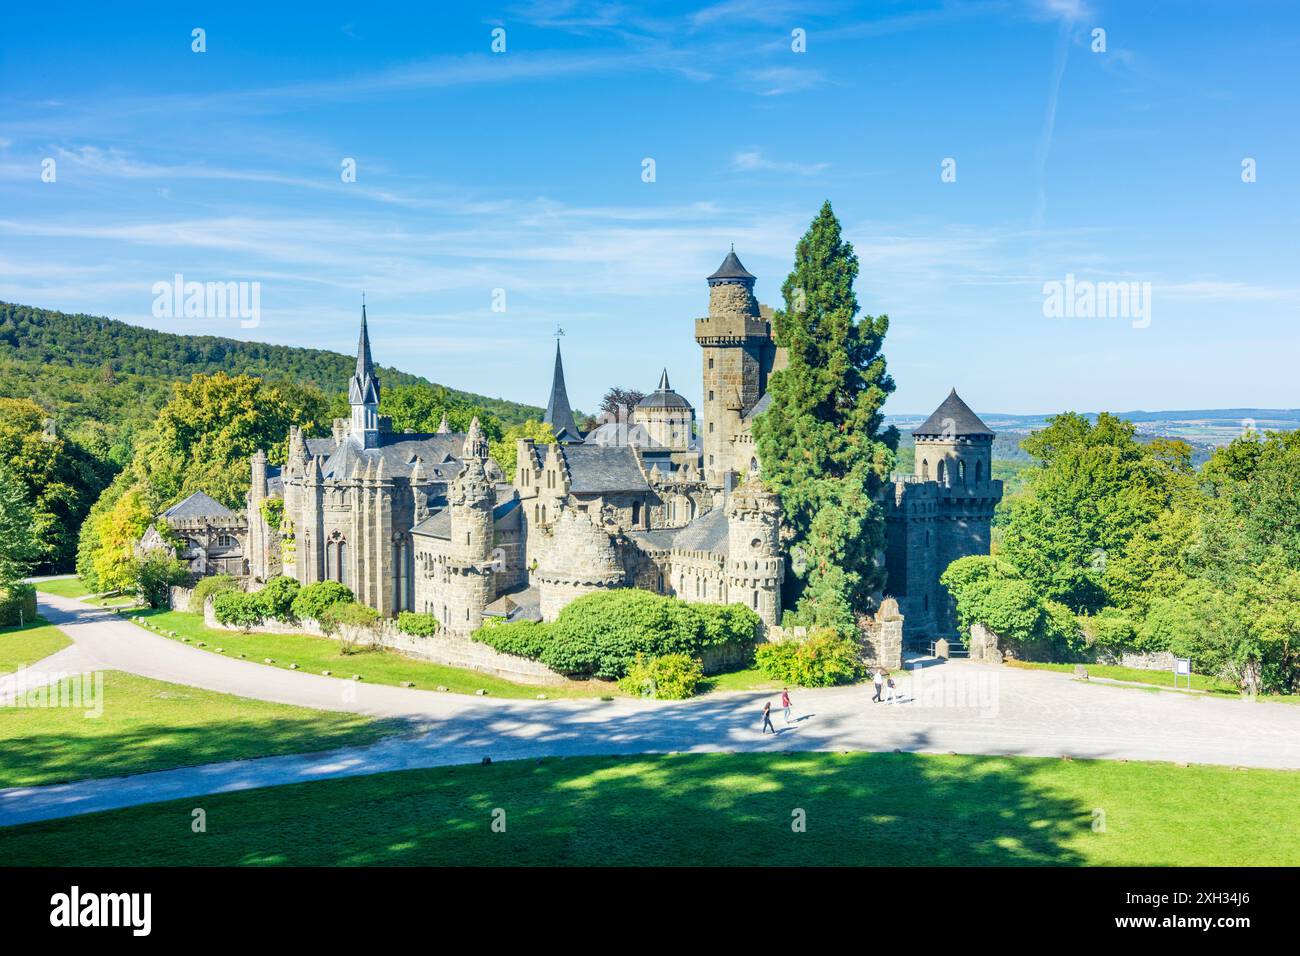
point(469, 586)
point(739, 353)
point(579, 559)
point(558, 413)
point(260, 534)
point(942, 512)
point(363, 393)
point(755, 567)
point(666, 416)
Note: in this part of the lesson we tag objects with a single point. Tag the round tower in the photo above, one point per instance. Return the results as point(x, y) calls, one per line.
point(666, 416)
point(579, 559)
point(755, 567)
point(738, 354)
point(954, 447)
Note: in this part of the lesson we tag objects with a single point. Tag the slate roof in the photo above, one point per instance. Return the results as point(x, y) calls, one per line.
point(708, 532)
point(616, 433)
point(759, 408)
point(732, 269)
point(597, 469)
point(505, 517)
point(198, 505)
point(524, 604)
point(953, 418)
point(440, 455)
point(663, 396)
point(320, 447)
point(558, 413)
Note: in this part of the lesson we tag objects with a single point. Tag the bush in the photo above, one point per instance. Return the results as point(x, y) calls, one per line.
point(278, 596)
point(209, 588)
point(670, 677)
point(344, 619)
point(237, 609)
point(600, 634)
point(312, 600)
point(825, 659)
point(17, 605)
point(155, 575)
point(417, 624)
point(521, 638)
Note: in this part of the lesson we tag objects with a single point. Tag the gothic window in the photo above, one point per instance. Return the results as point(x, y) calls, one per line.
point(961, 471)
point(925, 469)
point(753, 466)
point(636, 513)
point(942, 473)
point(979, 472)
point(343, 563)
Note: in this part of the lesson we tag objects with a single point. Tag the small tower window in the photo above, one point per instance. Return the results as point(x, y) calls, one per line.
point(942, 473)
point(925, 469)
point(979, 472)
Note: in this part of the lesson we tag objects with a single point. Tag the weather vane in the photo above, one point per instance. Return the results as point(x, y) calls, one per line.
point(558, 331)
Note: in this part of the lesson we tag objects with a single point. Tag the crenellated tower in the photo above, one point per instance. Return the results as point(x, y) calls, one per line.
point(755, 567)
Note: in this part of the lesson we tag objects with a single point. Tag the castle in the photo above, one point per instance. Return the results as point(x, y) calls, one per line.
point(428, 522)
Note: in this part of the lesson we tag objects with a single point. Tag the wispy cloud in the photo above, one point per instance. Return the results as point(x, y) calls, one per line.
point(753, 160)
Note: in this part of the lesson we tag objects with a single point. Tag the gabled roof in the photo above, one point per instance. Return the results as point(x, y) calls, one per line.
point(198, 505)
point(952, 419)
point(440, 455)
point(505, 517)
point(594, 469)
point(558, 413)
point(709, 532)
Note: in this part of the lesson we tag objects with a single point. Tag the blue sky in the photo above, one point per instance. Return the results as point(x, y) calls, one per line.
point(522, 171)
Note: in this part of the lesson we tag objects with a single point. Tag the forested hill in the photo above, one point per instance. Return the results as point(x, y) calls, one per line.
point(47, 338)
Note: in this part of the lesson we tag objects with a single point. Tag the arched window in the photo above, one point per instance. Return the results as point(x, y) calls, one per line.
point(925, 469)
point(753, 466)
point(961, 471)
point(226, 541)
point(343, 563)
point(979, 472)
point(942, 472)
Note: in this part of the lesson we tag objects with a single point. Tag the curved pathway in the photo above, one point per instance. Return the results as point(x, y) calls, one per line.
point(958, 707)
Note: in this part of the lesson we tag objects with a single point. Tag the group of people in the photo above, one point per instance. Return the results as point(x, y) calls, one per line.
point(881, 679)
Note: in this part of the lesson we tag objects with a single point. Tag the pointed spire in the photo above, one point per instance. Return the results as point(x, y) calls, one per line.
point(476, 445)
point(663, 382)
point(364, 387)
point(559, 415)
point(443, 427)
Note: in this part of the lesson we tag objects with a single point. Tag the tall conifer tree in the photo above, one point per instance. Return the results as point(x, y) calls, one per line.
point(822, 443)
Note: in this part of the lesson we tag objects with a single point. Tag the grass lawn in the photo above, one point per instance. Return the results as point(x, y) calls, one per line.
point(750, 678)
point(152, 725)
point(64, 587)
point(27, 645)
point(1201, 682)
point(316, 654)
point(702, 809)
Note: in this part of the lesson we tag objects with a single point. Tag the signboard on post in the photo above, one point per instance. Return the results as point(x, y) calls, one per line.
point(1183, 668)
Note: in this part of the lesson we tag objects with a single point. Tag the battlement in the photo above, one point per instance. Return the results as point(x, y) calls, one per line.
point(731, 329)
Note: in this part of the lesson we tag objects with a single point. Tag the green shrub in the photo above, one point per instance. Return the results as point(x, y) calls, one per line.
point(417, 624)
point(348, 620)
point(210, 587)
point(312, 600)
point(17, 605)
point(600, 634)
point(670, 677)
point(237, 609)
point(521, 638)
point(278, 596)
point(823, 660)
point(155, 574)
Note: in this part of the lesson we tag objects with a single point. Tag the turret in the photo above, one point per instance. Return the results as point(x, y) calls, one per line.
point(953, 446)
point(666, 416)
point(755, 566)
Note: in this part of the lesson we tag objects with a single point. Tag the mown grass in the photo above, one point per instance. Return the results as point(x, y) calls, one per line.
point(146, 725)
point(63, 587)
point(22, 646)
point(317, 654)
point(1161, 678)
point(714, 809)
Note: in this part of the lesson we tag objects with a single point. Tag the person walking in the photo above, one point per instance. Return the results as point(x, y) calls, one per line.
point(891, 689)
point(767, 718)
point(785, 702)
point(877, 678)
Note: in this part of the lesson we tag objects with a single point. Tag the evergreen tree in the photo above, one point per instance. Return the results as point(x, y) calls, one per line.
point(822, 443)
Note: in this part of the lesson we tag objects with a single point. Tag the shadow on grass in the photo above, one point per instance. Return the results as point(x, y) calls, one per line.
point(697, 809)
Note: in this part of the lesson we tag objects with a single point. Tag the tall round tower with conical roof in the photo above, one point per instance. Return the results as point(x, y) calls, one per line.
point(739, 354)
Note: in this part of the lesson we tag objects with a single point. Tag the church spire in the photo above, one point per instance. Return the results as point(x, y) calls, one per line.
point(363, 391)
point(558, 413)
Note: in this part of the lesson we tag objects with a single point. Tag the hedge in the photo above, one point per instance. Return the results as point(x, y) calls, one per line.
point(601, 634)
point(210, 587)
point(417, 624)
point(825, 659)
point(238, 609)
point(278, 596)
point(17, 604)
point(671, 677)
